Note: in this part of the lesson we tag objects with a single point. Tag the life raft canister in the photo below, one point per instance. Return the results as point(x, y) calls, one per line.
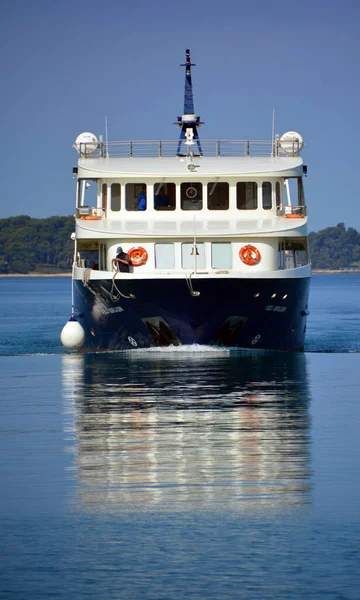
point(250, 255)
point(137, 256)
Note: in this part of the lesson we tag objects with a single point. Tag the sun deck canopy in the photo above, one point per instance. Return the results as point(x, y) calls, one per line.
point(175, 167)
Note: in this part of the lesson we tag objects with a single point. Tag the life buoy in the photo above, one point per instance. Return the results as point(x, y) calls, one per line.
point(137, 256)
point(250, 255)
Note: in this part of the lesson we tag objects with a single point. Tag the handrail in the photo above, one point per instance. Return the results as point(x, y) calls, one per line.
point(169, 148)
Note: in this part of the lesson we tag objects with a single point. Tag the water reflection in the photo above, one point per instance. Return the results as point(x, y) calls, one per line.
point(188, 429)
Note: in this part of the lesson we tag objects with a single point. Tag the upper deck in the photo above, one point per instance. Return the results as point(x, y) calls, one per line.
point(154, 186)
point(170, 148)
point(158, 158)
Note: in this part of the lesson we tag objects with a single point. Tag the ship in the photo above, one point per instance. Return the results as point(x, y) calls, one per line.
point(213, 234)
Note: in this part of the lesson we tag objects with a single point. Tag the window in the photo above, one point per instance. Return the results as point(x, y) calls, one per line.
point(164, 256)
point(291, 191)
point(192, 257)
point(218, 195)
point(87, 192)
point(277, 194)
point(164, 196)
point(292, 254)
point(266, 195)
point(135, 196)
point(102, 257)
point(301, 257)
point(246, 195)
point(301, 197)
point(221, 255)
point(115, 196)
point(104, 196)
point(191, 196)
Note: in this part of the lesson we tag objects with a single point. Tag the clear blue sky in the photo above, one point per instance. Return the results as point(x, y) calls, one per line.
point(65, 65)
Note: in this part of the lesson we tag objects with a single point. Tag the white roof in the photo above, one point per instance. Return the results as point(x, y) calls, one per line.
point(176, 167)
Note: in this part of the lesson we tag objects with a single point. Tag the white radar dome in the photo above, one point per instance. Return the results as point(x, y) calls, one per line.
point(86, 143)
point(291, 143)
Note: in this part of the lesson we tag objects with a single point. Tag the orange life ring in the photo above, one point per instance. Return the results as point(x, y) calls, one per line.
point(250, 255)
point(137, 256)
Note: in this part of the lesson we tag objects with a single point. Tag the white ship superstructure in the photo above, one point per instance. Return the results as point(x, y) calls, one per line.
point(215, 231)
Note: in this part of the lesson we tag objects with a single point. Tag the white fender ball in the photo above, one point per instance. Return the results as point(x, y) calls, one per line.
point(72, 335)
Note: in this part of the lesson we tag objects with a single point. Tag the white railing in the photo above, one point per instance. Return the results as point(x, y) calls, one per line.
point(170, 148)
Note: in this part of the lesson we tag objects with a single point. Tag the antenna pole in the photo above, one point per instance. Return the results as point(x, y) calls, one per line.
point(188, 120)
point(106, 137)
point(273, 134)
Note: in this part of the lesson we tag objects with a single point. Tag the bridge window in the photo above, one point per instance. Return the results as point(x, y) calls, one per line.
point(164, 196)
point(218, 195)
point(191, 196)
point(221, 255)
point(266, 195)
point(115, 196)
point(246, 195)
point(164, 256)
point(87, 192)
point(277, 194)
point(135, 196)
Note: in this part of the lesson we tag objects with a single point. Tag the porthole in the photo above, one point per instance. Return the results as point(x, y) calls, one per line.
point(273, 296)
point(256, 295)
point(191, 192)
point(285, 296)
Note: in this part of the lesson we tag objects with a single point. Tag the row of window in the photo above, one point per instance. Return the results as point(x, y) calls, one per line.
point(135, 196)
point(290, 255)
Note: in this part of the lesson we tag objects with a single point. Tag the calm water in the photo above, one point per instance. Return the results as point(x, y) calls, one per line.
point(173, 474)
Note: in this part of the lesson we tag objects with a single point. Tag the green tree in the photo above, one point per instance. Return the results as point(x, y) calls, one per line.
point(335, 247)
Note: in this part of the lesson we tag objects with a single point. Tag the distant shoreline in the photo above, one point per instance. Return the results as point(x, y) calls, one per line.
point(315, 272)
point(4, 275)
point(335, 271)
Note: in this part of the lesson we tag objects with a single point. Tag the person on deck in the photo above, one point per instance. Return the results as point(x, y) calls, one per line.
point(142, 199)
point(121, 262)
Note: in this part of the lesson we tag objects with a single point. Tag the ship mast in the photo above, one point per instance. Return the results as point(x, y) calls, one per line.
point(188, 122)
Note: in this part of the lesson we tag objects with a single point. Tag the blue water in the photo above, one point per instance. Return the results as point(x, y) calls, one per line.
point(171, 474)
point(32, 326)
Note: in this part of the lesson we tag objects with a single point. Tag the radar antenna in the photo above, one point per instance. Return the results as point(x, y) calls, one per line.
point(188, 120)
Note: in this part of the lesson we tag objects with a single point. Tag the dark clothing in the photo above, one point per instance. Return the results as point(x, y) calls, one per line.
point(122, 267)
point(161, 200)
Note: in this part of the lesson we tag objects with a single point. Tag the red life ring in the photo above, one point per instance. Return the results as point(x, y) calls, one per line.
point(137, 256)
point(250, 255)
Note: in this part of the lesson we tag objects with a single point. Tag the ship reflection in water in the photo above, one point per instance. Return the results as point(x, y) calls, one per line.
point(187, 429)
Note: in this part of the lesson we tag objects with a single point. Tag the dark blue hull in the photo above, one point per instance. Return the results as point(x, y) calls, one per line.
point(247, 313)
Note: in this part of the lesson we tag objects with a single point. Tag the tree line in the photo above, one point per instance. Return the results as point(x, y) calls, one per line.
point(30, 245)
point(335, 248)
